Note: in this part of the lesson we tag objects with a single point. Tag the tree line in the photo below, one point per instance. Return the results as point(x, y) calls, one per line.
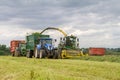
point(4, 50)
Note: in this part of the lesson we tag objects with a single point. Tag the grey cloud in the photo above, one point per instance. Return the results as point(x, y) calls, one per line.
point(80, 14)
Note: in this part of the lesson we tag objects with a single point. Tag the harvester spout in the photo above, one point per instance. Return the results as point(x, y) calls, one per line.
point(55, 29)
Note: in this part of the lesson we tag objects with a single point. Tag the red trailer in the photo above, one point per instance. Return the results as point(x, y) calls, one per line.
point(97, 51)
point(14, 44)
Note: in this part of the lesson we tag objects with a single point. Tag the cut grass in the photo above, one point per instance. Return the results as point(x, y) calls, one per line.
point(22, 68)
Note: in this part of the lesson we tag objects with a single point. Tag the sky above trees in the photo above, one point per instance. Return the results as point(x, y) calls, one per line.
point(95, 22)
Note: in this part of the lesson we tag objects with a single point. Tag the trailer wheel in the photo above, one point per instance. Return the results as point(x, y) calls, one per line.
point(13, 54)
point(37, 53)
point(29, 54)
point(17, 53)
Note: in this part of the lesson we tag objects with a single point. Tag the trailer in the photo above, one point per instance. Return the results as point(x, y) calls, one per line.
point(96, 51)
point(17, 47)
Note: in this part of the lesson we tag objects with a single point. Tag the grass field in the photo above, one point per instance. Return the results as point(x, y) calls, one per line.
point(22, 68)
point(109, 58)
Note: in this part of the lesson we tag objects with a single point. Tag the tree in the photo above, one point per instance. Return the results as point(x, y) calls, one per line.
point(4, 50)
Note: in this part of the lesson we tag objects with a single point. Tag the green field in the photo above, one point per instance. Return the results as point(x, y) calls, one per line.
point(22, 68)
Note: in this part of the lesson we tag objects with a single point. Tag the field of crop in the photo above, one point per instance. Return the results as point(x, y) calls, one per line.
point(22, 68)
point(109, 58)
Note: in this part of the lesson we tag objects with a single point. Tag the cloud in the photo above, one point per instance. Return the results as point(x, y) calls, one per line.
point(95, 22)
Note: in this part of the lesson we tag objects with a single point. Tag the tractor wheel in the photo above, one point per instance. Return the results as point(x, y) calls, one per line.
point(60, 52)
point(37, 53)
point(42, 54)
point(56, 55)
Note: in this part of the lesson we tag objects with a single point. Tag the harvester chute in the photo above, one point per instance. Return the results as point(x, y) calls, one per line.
point(52, 28)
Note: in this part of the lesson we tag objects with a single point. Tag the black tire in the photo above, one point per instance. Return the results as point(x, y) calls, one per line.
point(59, 54)
point(12, 54)
point(17, 53)
point(31, 54)
point(56, 55)
point(42, 54)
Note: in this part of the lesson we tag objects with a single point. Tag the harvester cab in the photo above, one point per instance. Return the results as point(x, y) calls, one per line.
point(69, 47)
point(69, 42)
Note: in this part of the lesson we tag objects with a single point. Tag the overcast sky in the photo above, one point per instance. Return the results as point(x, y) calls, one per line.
point(95, 22)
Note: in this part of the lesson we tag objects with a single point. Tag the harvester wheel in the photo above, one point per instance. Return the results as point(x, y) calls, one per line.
point(63, 54)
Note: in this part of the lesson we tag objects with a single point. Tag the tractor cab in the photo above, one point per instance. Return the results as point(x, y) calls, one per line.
point(46, 43)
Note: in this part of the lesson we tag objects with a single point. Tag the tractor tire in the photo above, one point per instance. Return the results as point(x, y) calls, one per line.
point(59, 54)
point(56, 55)
point(29, 54)
point(37, 53)
point(42, 54)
